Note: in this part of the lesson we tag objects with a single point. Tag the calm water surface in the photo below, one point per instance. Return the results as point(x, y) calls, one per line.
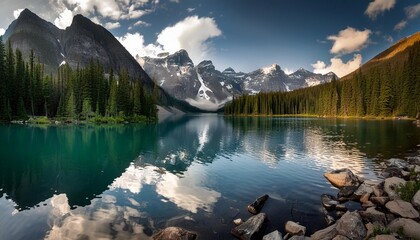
point(197, 172)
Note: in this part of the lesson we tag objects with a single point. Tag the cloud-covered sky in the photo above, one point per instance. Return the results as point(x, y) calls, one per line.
point(319, 35)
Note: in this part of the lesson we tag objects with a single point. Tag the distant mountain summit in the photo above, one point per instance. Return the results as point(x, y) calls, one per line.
point(205, 87)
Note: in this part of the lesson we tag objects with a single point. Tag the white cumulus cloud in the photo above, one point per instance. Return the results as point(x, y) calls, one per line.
point(64, 19)
point(142, 23)
point(377, 7)
point(112, 25)
point(191, 34)
point(337, 66)
point(413, 11)
point(401, 25)
point(2, 31)
point(288, 71)
point(349, 40)
point(134, 43)
point(17, 12)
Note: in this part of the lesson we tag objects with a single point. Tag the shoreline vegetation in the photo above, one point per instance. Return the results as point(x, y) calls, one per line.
point(82, 94)
point(388, 88)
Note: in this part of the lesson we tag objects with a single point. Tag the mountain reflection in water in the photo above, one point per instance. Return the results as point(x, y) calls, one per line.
point(198, 172)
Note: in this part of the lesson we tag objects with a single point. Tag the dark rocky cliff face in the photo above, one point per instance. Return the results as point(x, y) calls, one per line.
point(76, 45)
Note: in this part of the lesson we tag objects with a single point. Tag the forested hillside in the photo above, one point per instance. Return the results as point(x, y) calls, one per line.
point(388, 85)
point(71, 94)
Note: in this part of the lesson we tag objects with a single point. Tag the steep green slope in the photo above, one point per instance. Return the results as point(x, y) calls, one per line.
point(388, 85)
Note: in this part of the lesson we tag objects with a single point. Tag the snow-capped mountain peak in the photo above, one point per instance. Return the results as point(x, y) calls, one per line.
point(270, 69)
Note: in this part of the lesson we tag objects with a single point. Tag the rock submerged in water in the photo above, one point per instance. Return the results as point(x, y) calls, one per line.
point(342, 178)
point(174, 233)
point(328, 201)
point(257, 205)
point(249, 229)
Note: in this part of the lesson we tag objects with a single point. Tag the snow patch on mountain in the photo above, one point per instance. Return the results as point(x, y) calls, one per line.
point(269, 69)
point(202, 91)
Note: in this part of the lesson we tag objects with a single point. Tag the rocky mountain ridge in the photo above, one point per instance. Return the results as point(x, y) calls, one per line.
point(205, 87)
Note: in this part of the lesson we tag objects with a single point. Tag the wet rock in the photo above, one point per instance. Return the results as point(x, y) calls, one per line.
point(374, 216)
point(342, 178)
point(328, 201)
point(238, 221)
point(363, 189)
point(328, 218)
point(326, 233)
point(417, 169)
point(402, 208)
point(340, 237)
point(379, 200)
point(385, 237)
point(391, 184)
point(409, 227)
point(416, 200)
point(396, 162)
point(295, 229)
point(414, 160)
point(341, 207)
point(351, 225)
point(250, 228)
point(347, 191)
point(276, 235)
point(257, 205)
point(392, 172)
point(174, 233)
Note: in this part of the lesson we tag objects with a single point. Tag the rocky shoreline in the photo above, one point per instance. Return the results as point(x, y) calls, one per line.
point(389, 209)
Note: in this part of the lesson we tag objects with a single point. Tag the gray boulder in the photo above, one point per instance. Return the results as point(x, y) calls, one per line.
point(363, 189)
point(410, 228)
point(342, 178)
point(250, 228)
point(374, 216)
point(351, 226)
point(402, 208)
point(390, 186)
point(416, 200)
point(294, 228)
point(326, 233)
point(174, 233)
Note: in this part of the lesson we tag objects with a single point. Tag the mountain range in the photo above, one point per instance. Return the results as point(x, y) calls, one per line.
point(201, 86)
point(207, 88)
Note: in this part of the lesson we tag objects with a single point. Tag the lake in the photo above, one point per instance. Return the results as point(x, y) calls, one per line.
point(196, 172)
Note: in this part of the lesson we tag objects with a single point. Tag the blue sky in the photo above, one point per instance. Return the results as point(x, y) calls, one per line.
point(319, 35)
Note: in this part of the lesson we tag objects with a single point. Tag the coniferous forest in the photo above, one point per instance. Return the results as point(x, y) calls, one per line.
point(391, 88)
point(70, 94)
